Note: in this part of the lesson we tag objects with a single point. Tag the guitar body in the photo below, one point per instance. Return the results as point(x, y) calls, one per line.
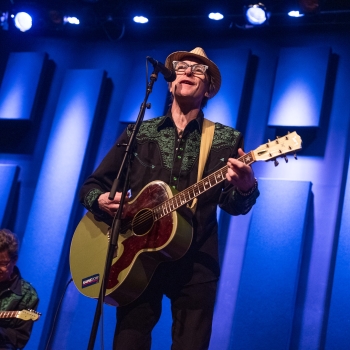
point(142, 244)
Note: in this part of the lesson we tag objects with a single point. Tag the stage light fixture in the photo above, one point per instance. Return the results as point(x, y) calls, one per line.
point(23, 21)
point(58, 18)
point(295, 13)
point(256, 14)
point(71, 20)
point(215, 16)
point(4, 20)
point(140, 19)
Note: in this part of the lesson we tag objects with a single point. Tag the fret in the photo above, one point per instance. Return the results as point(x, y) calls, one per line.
point(176, 199)
point(182, 198)
point(212, 180)
point(179, 200)
point(171, 205)
point(247, 158)
point(188, 194)
point(164, 209)
point(206, 185)
point(155, 213)
point(6, 314)
point(195, 190)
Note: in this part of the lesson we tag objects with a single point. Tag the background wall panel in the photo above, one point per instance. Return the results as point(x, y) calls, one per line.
point(54, 198)
point(8, 183)
point(338, 323)
point(264, 312)
point(299, 87)
point(20, 86)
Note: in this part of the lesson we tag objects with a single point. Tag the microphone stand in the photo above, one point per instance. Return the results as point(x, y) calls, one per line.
point(115, 228)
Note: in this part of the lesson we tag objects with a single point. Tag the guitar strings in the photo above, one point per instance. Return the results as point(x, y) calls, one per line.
point(141, 220)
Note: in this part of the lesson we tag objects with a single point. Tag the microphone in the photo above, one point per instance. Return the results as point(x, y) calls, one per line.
point(169, 74)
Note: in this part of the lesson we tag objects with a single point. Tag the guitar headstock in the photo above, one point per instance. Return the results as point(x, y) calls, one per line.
point(28, 315)
point(290, 143)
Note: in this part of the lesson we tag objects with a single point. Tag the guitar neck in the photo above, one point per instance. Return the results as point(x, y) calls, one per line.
point(198, 188)
point(8, 314)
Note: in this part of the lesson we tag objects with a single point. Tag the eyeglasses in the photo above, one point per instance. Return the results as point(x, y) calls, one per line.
point(196, 69)
point(4, 265)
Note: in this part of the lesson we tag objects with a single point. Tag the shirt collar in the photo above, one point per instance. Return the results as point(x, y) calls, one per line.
point(167, 121)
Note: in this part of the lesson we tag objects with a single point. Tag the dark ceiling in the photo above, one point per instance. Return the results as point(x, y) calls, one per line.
point(112, 19)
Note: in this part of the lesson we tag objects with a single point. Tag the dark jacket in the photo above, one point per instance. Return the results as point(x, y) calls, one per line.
point(16, 294)
point(161, 155)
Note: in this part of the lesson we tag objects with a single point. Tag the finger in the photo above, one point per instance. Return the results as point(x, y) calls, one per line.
point(241, 152)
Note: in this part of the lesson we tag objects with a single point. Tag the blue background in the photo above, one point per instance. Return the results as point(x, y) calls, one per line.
point(284, 265)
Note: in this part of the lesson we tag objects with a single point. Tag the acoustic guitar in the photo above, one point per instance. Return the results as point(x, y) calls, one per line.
point(152, 231)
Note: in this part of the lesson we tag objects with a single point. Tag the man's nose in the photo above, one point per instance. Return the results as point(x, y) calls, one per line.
point(188, 71)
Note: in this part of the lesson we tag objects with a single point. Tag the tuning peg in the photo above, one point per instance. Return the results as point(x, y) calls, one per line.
point(276, 162)
point(277, 137)
point(286, 159)
point(295, 156)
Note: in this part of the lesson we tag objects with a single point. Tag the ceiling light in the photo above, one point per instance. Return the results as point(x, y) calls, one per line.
point(140, 19)
point(295, 13)
point(256, 14)
point(23, 21)
point(215, 16)
point(71, 20)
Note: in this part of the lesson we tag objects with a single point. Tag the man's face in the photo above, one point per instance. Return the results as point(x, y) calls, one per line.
point(6, 266)
point(190, 87)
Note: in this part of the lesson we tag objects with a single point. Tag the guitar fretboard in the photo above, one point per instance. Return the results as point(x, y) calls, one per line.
point(195, 190)
point(8, 314)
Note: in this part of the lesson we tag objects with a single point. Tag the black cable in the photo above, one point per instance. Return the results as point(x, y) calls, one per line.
point(56, 314)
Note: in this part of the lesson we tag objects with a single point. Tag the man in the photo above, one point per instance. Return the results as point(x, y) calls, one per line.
point(168, 150)
point(15, 294)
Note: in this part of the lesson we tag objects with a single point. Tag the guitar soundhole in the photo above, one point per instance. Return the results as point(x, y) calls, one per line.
point(142, 222)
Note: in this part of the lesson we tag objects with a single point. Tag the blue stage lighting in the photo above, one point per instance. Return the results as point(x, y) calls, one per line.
point(4, 20)
point(23, 21)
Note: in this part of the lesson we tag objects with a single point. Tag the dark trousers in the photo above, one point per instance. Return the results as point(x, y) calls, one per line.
point(192, 313)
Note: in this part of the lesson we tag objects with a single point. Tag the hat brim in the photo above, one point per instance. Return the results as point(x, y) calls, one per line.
point(213, 69)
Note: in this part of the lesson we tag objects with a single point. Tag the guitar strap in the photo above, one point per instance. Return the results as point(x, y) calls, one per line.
point(208, 129)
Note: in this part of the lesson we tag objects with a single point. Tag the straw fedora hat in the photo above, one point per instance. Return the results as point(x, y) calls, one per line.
point(198, 53)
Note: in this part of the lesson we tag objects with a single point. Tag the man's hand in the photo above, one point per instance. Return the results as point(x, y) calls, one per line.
point(110, 206)
point(240, 174)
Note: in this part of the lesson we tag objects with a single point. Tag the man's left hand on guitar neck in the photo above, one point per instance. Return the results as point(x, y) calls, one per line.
point(240, 174)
